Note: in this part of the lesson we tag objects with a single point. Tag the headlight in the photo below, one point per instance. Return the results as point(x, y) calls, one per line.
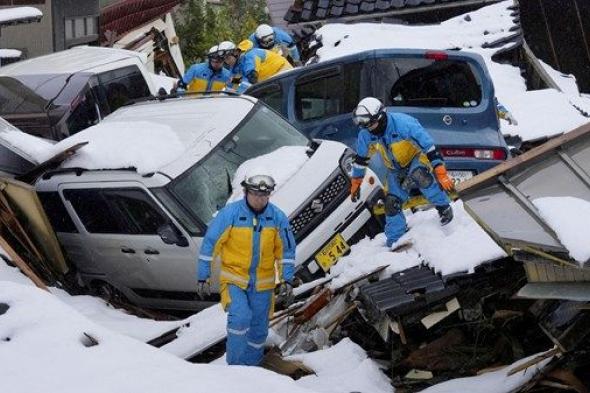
point(346, 161)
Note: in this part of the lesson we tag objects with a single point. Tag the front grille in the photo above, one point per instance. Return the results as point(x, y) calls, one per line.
point(320, 206)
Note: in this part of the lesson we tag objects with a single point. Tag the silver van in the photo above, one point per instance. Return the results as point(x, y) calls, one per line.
point(138, 234)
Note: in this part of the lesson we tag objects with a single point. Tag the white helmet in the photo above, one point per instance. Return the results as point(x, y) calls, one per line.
point(265, 36)
point(368, 111)
point(225, 47)
point(259, 182)
point(213, 50)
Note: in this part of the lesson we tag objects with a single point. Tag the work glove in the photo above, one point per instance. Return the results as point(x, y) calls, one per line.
point(443, 178)
point(355, 188)
point(285, 296)
point(203, 289)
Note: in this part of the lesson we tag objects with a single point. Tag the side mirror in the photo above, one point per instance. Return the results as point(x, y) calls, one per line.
point(171, 235)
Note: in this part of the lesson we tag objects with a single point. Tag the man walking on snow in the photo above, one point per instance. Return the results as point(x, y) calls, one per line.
point(411, 158)
point(251, 236)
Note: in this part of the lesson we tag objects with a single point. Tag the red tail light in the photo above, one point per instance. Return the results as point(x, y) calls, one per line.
point(435, 55)
point(480, 154)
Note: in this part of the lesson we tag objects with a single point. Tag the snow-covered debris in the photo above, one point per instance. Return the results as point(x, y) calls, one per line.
point(344, 367)
point(19, 13)
point(568, 217)
point(457, 247)
point(493, 382)
point(57, 345)
point(538, 113)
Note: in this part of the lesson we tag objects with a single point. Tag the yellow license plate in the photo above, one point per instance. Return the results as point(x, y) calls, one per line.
point(331, 252)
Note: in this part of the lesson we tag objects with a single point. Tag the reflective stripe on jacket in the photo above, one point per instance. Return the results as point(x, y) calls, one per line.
point(200, 77)
point(250, 246)
point(403, 139)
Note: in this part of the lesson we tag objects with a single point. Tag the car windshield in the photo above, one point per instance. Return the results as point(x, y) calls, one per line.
point(205, 187)
point(422, 82)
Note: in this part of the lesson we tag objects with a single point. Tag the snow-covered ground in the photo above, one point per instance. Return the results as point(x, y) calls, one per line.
point(539, 113)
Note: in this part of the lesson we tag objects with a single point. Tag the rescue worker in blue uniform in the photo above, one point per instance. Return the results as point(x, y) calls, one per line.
point(252, 65)
point(206, 77)
point(411, 158)
point(252, 237)
point(276, 40)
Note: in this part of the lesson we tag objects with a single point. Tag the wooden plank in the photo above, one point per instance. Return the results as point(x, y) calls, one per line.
point(21, 264)
point(548, 147)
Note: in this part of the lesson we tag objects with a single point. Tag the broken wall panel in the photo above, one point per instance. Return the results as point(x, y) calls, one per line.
point(501, 199)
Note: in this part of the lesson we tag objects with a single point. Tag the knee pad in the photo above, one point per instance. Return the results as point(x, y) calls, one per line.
point(422, 177)
point(393, 205)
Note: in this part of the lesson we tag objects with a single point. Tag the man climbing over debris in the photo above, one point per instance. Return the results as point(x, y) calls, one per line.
point(252, 237)
point(411, 159)
point(276, 40)
point(206, 77)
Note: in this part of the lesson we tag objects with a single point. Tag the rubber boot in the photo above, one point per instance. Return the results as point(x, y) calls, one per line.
point(445, 213)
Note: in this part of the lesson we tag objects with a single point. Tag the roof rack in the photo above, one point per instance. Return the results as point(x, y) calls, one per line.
point(164, 97)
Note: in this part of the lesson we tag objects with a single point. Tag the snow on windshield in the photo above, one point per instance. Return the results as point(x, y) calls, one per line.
point(568, 217)
point(539, 113)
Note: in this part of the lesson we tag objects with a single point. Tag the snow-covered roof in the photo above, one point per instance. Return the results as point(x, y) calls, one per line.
point(69, 61)
point(10, 16)
point(10, 53)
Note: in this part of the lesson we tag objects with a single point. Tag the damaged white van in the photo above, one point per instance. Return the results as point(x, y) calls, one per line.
point(130, 208)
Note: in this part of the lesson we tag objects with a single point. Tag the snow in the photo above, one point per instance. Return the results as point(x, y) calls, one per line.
point(459, 246)
point(492, 382)
point(45, 334)
point(11, 14)
point(568, 217)
point(113, 145)
point(538, 113)
point(162, 81)
point(281, 164)
point(344, 367)
point(10, 53)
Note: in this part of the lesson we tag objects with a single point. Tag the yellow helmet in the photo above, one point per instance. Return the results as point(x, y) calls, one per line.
point(245, 45)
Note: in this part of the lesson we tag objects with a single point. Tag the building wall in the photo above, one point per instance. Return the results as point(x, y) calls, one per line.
point(33, 39)
point(80, 17)
point(277, 10)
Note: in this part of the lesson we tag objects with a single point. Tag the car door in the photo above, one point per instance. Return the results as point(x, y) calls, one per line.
point(120, 223)
point(323, 101)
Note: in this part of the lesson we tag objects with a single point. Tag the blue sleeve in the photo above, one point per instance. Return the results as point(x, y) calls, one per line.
point(216, 229)
point(282, 37)
point(189, 75)
point(254, 40)
point(359, 166)
point(288, 240)
point(249, 64)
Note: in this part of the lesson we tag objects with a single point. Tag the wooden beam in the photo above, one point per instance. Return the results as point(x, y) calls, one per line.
point(21, 264)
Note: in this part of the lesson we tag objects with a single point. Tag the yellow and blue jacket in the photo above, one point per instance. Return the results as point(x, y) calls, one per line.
point(403, 140)
point(250, 246)
point(200, 77)
point(257, 65)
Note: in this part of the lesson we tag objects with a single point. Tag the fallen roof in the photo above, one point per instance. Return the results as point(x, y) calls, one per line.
point(127, 15)
point(319, 10)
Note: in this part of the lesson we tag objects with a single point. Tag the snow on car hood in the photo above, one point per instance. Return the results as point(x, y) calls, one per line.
point(297, 175)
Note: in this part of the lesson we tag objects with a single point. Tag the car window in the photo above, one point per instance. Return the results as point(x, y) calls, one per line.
point(271, 95)
point(329, 94)
point(116, 211)
point(85, 113)
point(123, 85)
point(13, 163)
point(56, 212)
point(205, 187)
point(426, 83)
